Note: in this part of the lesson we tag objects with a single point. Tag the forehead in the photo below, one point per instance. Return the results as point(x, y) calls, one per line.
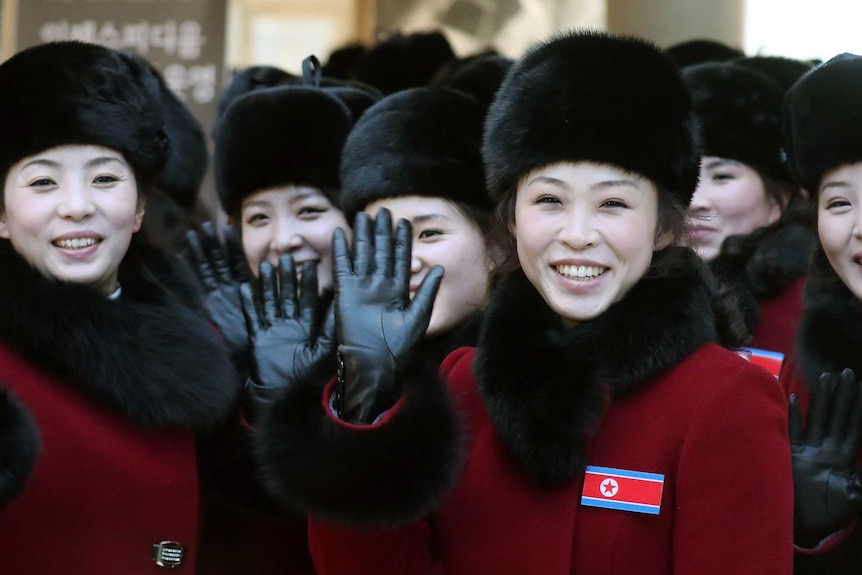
point(70, 155)
point(584, 172)
point(285, 195)
point(414, 206)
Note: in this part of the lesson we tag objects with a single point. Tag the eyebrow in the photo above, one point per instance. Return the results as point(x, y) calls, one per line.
point(837, 184)
point(95, 162)
point(426, 217)
point(719, 163)
point(595, 187)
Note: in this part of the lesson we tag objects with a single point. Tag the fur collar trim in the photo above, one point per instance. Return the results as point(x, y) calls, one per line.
point(830, 330)
point(546, 388)
point(149, 355)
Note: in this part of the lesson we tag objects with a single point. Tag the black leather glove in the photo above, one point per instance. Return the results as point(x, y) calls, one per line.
point(288, 341)
point(222, 268)
point(827, 487)
point(377, 326)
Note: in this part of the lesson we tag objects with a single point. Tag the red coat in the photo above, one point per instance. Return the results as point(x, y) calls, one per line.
point(531, 402)
point(779, 319)
point(117, 392)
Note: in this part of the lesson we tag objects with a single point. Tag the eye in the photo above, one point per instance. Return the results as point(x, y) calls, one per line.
point(551, 200)
point(42, 183)
point(256, 219)
point(615, 204)
point(722, 176)
point(836, 204)
point(429, 233)
point(105, 179)
point(311, 212)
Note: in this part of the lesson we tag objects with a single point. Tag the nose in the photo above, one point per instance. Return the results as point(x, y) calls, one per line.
point(286, 239)
point(700, 200)
point(580, 230)
point(76, 203)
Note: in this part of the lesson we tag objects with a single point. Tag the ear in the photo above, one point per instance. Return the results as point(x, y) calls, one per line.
point(663, 239)
point(4, 226)
point(139, 213)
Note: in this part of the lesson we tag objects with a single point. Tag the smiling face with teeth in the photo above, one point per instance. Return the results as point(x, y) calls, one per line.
point(585, 235)
point(71, 211)
point(839, 223)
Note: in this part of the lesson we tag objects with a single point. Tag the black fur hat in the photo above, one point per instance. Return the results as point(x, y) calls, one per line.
point(592, 96)
point(424, 141)
point(400, 62)
point(783, 71)
point(280, 136)
point(67, 93)
point(823, 120)
point(479, 77)
point(700, 51)
point(739, 111)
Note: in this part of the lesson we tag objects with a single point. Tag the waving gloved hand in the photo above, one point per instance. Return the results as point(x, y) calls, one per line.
point(827, 487)
point(377, 325)
point(222, 268)
point(288, 341)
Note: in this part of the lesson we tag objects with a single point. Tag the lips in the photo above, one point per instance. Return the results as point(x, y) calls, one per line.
point(77, 240)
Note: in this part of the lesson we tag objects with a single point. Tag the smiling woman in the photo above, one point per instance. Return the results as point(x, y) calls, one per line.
point(108, 369)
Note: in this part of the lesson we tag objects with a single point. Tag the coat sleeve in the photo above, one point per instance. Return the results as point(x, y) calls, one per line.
point(734, 492)
point(19, 446)
point(382, 475)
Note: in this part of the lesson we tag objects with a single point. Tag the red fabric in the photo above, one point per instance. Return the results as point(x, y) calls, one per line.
point(779, 319)
point(103, 490)
point(714, 425)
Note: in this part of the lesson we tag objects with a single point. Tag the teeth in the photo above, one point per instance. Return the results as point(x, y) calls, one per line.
point(581, 272)
point(76, 243)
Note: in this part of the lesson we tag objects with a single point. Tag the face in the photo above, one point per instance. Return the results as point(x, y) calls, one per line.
point(585, 234)
point(839, 223)
point(730, 200)
point(294, 220)
point(70, 212)
point(443, 235)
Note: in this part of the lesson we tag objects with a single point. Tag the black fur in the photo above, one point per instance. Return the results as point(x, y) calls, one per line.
point(400, 62)
point(739, 111)
point(546, 387)
point(701, 50)
point(276, 137)
point(19, 446)
point(823, 120)
point(591, 96)
point(74, 93)
point(830, 331)
point(479, 77)
point(150, 355)
point(422, 142)
point(369, 478)
point(783, 71)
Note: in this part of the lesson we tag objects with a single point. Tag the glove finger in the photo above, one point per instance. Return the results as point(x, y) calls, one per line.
point(249, 310)
point(383, 260)
point(843, 399)
point(200, 263)
point(286, 306)
point(269, 292)
point(794, 420)
point(216, 253)
point(423, 302)
point(854, 425)
point(341, 255)
point(818, 409)
point(308, 296)
point(403, 257)
point(325, 341)
point(363, 245)
point(235, 254)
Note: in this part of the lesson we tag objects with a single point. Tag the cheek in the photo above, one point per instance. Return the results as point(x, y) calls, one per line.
point(255, 247)
point(832, 232)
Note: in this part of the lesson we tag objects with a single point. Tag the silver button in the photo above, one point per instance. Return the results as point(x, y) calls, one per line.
point(168, 554)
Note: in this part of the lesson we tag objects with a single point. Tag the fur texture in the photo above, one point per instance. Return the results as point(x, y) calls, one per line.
point(408, 61)
point(702, 50)
point(830, 331)
point(823, 120)
point(276, 137)
point(592, 96)
point(19, 446)
point(479, 77)
point(783, 71)
point(150, 355)
point(739, 111)
point(424, 142)
point(546, 388)
point(378, 477)
point(74, 93)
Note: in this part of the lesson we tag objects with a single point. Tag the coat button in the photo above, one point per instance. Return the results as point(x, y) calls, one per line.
point(168, 554)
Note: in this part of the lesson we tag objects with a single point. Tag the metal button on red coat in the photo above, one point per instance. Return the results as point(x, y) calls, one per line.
point(168, 554)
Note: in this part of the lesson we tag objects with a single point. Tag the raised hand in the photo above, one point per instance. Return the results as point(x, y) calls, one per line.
point(377, 326)
point(221, 267)
point(827, 486)
point(288, 339)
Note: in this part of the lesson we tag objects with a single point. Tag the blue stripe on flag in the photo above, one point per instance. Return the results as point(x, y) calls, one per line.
point(624, 473)
point(619, 505)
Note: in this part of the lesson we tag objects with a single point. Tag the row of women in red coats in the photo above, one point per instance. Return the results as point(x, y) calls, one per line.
point(438, 337)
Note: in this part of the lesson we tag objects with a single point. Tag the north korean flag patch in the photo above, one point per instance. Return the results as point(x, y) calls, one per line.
point(622, 489)
point(771, 360)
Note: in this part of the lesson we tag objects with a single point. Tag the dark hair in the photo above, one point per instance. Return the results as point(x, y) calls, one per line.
point(671, 221)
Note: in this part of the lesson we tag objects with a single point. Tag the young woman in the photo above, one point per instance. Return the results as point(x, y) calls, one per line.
point(596, 427)
point(418, 154)
point(745, 216)
point(822, 116)
point(103, 340)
